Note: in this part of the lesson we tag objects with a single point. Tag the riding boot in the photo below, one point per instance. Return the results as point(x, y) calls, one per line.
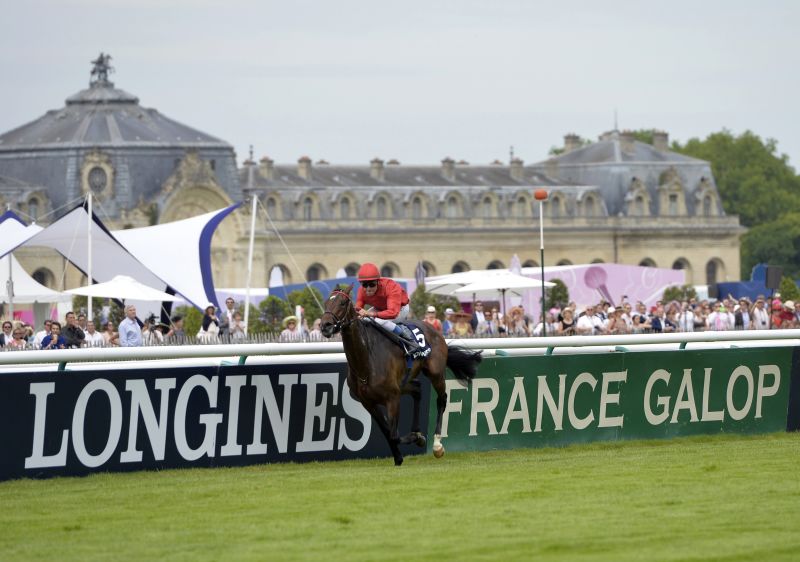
point(406, 334)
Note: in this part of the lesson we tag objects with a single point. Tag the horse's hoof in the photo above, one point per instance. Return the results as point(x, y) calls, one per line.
point(438, 452)
point(398, 461)
point(421, 440)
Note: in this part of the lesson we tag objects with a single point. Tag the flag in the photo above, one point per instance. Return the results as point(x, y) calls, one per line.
point(420, 273)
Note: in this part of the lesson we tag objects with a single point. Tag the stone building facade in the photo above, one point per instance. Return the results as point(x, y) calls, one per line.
point(616, 200)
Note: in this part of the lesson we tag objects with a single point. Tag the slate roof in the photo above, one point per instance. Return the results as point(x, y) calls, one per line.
point(104, 116)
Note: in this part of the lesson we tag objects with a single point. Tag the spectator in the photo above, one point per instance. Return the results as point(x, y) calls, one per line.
point(719, 319)
point(447, 325)
point(290, 331)
point(176, 332)
point(316, 333)
point(430, 318)
point(93, 337)
point(209, 330)
point(462, 327)
point(615, 325)
point(552, 325)
point(130, 333)
point(18, 340)
point(73, 333)
point(478, 317)
point(8, 333)
point(110, 337)
point(588, 323)
point(236, 329)
point(81, 321)
point(54, 340)
point(567, 325)
point(626, 316)
point(226, 317)
point(151, 335)
point(641, 320)
point(37, 339)
point(787, 315)
point(759, 317)
point(516, 325)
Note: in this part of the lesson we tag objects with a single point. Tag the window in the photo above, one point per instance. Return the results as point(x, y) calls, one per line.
point(389, 270)
point(673, 205)
point(555, 207)
point(344, 208)
point(486, 208)
point(459, 266)
point(588, 207)
point(520, 207)
point(98, 179)
point(711, 273)
point(638, 207)
point(33, 208)
point(308, 209)
point(416, 208)
point(707, 206)
point(351, 269)
point(496, 264)
point(452, 207)
point(647, 262)
point(272, 208)
point(381, 208)
point(315, 272)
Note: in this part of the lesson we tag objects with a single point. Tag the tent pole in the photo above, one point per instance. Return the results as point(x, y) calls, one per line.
point(250, 262)
point(10, 288)
point(89, 258)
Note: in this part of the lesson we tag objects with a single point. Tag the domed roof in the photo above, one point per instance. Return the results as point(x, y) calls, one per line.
point(104, 116)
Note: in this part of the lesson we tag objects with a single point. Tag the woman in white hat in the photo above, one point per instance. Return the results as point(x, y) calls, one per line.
point(290, 330)
point(430, 318)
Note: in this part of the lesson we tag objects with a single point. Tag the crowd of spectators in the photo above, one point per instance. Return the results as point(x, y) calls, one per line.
point(227, 326)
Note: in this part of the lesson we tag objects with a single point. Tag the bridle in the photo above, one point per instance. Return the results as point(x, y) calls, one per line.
point(339, 323)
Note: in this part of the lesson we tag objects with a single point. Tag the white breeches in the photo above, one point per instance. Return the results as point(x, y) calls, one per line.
point(388, 324)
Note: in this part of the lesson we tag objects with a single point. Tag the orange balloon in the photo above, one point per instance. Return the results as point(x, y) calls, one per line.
point(540, 194)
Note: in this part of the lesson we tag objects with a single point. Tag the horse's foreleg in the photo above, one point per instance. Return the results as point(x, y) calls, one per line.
point(383, 425)
point(441, 404)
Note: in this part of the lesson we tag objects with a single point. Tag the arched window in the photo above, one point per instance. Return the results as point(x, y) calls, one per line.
point(555, 207)
point(416, 208)
point(638, 207)
point(521, 206)
point(647, 262)
point(389, 270)
point(33, 208)
point(272, 208)
point(530, 263)
point(673, 205)
point(381, 208)
point(452, 207)
point(711, 272)
point(564, 262)
point(429, 269)
point(45, 277)
point(680, 264)
point(707, 206)
point(279, 275)
point(598, 260)
point(459, 266)
point(496, 264)
point(351, 269)
point(589, 207)
point(486, 208)
point(316, 272)
point(308, 210)
point(344, 208)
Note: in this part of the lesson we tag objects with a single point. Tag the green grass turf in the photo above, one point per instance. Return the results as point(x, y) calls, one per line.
point(707, 498)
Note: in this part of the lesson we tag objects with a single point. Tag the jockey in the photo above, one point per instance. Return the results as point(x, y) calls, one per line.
point(387, 299)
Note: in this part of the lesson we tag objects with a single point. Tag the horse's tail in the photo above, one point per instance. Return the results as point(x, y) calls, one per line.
point(463, 363)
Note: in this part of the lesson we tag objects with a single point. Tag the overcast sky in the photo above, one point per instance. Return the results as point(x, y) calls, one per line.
point(347, 81)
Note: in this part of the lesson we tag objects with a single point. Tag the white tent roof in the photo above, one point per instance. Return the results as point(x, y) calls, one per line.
point(176, 254)
point(26, 288)
point(123, 287)
point(14, 232)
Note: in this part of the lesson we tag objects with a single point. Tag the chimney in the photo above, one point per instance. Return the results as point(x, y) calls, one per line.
point(376, 169)
point(661, 141)
point(449, 169)
point(571, 142)
point(516, 169)
point(626, 141)
point(304, 167)
point(266, 168)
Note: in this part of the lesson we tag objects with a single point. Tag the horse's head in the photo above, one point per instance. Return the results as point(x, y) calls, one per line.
point(339, 311)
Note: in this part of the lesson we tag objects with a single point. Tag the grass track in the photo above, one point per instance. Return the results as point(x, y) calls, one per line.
point(707, 498)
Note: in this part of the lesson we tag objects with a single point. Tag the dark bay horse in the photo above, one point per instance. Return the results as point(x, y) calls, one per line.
point(377, 370)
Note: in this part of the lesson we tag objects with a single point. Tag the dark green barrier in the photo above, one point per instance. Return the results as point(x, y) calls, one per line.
point(559, 399)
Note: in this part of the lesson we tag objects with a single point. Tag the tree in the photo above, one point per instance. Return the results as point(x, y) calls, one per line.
point(271, 312)
point(115, 314)
point(309, 298)
point(753, 180)
point(192, 319)
point(420, 301)
point(789, 290)
point(557, 296)
point(679, 293)
point(775, 243)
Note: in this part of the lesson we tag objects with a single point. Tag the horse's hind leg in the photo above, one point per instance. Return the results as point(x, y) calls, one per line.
point(380, 419)
point(413, 388)
point(437, 381)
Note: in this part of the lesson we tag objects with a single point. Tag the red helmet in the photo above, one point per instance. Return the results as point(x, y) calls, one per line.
point(368, 272)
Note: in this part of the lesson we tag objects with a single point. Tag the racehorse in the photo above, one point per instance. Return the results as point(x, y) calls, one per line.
point(377, 370)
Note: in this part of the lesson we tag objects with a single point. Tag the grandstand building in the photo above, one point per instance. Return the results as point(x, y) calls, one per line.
point(616, 200)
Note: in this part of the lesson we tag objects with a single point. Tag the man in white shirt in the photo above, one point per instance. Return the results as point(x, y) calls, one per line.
point(760, 316)
point(37, 339)
point(93, 337)
point(226, 317)
point(686, 318)
point(589, 324)
point(130, 333)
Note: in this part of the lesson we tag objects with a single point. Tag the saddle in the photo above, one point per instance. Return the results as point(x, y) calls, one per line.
point(421, 350)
